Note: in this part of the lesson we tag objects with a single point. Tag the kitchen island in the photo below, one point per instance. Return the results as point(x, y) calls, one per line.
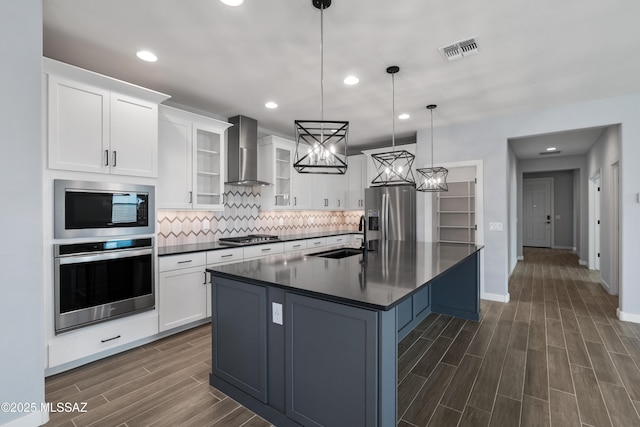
point(312, 339)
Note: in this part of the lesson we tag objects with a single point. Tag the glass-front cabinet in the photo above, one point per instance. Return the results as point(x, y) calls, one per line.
point(283, 169)
point(289, 189)
point(208, 176)
point(191, 161)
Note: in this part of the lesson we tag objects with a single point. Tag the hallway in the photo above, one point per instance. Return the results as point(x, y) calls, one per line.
point(554, 355)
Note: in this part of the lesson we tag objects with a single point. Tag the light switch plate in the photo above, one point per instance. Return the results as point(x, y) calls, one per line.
point(206, 225)
point(495, 226)
point(276, 313)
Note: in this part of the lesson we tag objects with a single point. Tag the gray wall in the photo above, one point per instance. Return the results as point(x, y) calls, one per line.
point(21, 303)
point(562, 206)
point(604, 153)
point(487, 140)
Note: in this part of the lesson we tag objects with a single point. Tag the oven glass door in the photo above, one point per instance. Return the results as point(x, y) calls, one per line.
point(94, 287)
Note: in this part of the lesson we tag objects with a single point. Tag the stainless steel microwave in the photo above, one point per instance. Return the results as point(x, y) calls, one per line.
point(97, 209)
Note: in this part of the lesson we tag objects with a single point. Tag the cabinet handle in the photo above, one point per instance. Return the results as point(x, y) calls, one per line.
point(205, 278)
point(316, 243)
point(338, 240)
point(106, 157)
point(185, 262)
point(338, 202)
point(226, 256)
point(266, 249)
point(114, 158)
point(296, 246)
point(190, 196)
point(295, 201)
point(110, 339)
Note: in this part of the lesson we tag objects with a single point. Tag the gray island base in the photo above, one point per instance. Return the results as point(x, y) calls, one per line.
point(304, 340)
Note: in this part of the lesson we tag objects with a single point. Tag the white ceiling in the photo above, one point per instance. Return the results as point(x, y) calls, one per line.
point(228, 61)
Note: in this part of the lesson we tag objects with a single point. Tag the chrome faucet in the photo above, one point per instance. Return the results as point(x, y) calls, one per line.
point(363, 227)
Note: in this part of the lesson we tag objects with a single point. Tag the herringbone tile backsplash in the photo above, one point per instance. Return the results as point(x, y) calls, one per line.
point(242, 216)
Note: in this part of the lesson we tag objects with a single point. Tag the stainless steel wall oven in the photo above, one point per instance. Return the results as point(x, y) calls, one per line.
point(98, 281)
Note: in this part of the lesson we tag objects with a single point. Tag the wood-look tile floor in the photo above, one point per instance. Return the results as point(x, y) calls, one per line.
point(555, 355)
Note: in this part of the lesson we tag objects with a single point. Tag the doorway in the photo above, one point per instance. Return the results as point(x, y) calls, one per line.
point(537, 210)
point(594, 221)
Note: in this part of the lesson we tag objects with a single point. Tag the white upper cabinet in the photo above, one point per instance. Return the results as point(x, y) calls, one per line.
point(191, 161)
point(356, 181)
point(99, 124)
point(275, 166)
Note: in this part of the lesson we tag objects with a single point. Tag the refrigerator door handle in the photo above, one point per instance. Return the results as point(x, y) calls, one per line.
point(384, 219)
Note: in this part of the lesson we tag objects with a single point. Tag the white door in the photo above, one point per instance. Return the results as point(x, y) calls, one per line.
point(537, 212)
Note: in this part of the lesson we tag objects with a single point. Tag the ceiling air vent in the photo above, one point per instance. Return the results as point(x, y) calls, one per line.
point(460, 48)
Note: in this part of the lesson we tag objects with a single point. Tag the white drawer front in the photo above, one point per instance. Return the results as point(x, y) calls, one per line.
point(223, 256)
point(95, 339)
point(339, 240)
point(296, 245)
point(263, 250)
point(316, 243)
point(175, 262)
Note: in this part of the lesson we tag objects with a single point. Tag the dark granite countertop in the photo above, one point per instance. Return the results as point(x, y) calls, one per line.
point(379, 280)
point(212, 246)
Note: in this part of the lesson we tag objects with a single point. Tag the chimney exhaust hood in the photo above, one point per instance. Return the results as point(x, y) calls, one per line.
point(242, 157)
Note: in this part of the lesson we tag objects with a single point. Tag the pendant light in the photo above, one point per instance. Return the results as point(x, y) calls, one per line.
point(432, 179)
point(321, 145)
point(393, 167)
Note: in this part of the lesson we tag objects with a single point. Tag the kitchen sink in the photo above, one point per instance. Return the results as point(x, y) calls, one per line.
point(339, 253)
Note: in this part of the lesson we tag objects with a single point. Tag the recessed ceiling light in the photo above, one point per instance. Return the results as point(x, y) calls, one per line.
point(271, 105)
point(232, 2)
point(351, 80)
point(404, 116)
point(145, 55)
point(551, 149)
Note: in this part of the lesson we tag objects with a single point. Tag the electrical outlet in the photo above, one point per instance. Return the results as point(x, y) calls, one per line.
point(281, 221)
point(276, 313)
point(206, 225)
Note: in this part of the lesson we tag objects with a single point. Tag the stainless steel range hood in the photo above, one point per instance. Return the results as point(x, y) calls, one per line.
point(242, 157)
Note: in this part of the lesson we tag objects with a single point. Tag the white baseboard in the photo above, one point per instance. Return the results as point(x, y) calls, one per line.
point(520, 257)
point(33, 419)
point(628, 317)
point(496, 297)
point(581, 262)
point(605, 285)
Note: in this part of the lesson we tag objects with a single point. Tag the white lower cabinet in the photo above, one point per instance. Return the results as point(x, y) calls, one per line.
point(295, 245)
point(92, 340)
point(259, 251)
point(182, 293)
point(343, 239)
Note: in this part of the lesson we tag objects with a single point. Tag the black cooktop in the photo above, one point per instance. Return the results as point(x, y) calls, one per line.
point(251, 239)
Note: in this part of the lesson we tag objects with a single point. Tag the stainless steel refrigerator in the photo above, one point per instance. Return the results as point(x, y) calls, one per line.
point(390, 211)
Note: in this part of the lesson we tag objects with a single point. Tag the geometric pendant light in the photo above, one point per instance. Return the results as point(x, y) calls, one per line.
point(321, 145)
point(433, 179)
point(395, 166)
